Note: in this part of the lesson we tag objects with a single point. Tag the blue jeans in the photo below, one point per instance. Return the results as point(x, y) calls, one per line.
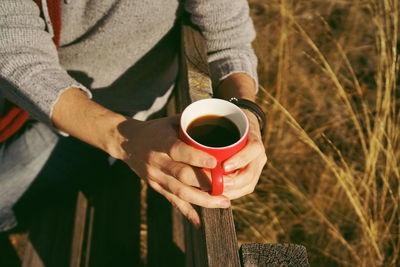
point(37, 160)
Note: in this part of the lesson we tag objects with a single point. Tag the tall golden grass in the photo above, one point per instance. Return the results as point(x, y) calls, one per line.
point(329, 83)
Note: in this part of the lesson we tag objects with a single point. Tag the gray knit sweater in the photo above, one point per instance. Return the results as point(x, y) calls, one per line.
point(123, 53)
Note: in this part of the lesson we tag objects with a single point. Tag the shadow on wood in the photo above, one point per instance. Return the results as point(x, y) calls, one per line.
point(92, 223)
point(161, 249)
point(8, 256)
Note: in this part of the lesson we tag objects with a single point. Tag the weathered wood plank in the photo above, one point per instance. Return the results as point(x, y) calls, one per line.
point(195, 243)
point(115, 226)
point(161, 249)
point(215, 243)
point(194, 75)
point(259, 255)
point(178, 230)
point(79, 230)
point(96, 226)
point(221, 241)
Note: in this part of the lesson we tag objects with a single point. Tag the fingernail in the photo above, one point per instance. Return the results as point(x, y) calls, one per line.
point(225, 203)
point(229, 167)
point(210, 163)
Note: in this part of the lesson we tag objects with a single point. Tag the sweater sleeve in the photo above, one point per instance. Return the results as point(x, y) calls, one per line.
point(228, 31)
point(30, 73)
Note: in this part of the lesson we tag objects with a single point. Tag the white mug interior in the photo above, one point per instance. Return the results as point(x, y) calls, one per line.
point(218, 107)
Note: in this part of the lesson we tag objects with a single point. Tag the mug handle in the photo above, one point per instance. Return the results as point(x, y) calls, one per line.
point(217, 175)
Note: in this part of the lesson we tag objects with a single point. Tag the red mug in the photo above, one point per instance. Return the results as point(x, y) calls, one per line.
point(219, 108)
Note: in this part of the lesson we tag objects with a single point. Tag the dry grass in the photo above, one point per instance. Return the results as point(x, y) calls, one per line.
point(328, 74)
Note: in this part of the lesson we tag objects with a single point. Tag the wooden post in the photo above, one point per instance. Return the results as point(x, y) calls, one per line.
point(215, 244)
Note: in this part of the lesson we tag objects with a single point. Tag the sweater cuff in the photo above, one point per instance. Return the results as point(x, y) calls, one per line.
point(45, 89)
point(222, 68)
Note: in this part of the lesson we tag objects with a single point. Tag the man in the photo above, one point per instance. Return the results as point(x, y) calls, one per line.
point(115, 66)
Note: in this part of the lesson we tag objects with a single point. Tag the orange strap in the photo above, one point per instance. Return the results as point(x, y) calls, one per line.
point(12, 117)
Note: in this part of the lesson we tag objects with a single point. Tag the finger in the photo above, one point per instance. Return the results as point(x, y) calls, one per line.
point(189, 193)
point(245, 181)
point(184, 207)
point(182, 152)
point(253, 149)
point(187, 174)
point(198, 197)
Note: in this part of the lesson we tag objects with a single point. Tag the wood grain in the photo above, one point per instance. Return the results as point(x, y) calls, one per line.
point(215, 243)
point(257, 255)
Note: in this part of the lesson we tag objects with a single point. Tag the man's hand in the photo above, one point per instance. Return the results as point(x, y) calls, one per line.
point(154, 151)
point(170, 166)
point(250, 161)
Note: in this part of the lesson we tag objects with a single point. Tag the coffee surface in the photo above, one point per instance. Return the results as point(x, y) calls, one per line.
point(213, 131)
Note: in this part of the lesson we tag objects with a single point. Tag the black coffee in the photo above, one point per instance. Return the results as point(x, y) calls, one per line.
point(213, 131)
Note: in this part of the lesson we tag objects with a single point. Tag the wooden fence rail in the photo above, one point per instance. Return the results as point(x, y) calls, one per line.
point(100, 225)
